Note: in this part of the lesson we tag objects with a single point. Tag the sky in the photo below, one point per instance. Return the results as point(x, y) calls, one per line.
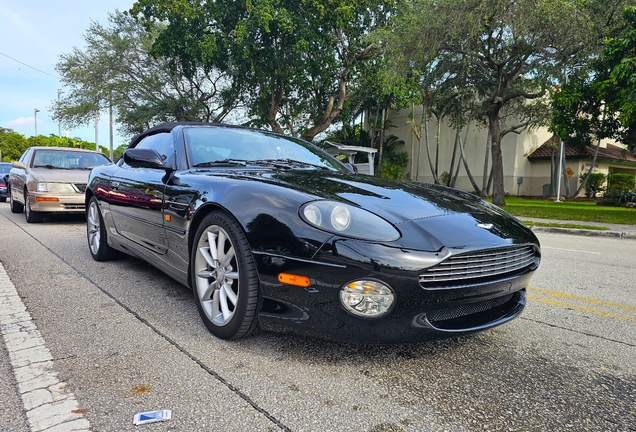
point(33, 35)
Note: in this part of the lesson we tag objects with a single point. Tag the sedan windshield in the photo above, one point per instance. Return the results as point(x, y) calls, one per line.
point(61, 159)
point(221, 146)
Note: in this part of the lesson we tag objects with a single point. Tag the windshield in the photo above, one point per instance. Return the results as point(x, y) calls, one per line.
point(207, 145)
point(68, 159)
point(5, 168)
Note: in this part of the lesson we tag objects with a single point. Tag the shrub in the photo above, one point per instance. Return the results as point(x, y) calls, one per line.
point(620, 188)
point(594, 184)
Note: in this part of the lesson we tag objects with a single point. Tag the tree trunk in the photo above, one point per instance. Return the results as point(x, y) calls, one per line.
point(589, 173)
point(498, 191)
point(566, 180)
point(439, 131)
point(428, 147)
point(451, 170)
point(486, 175)
point(463, 158)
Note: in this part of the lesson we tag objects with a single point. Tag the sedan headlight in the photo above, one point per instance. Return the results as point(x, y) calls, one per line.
point(348, 221)
point(58, 188)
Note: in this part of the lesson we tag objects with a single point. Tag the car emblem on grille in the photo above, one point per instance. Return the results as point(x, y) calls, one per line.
point(485, 226)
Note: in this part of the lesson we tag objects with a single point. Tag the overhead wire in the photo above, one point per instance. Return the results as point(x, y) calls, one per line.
point(29, 66)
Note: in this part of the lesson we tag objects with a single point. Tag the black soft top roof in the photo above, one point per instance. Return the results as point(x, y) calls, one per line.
point(167, 127)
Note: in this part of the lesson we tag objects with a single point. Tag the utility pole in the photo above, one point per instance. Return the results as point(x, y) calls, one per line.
point(35, 119)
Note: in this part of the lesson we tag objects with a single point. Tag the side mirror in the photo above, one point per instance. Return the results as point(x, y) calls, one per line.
point(351, 167)
point(144, 158)
point(19, 165)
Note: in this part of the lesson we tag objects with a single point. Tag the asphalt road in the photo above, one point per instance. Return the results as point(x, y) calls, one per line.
point(124, 338)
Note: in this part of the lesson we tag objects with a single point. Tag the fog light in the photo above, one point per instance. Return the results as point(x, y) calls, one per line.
point(367, 298)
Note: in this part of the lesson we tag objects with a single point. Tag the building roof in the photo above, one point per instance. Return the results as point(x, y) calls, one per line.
point(609, 153)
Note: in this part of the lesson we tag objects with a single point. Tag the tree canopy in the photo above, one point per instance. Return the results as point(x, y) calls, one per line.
point(117, 70)
point(507, 54)
point(292, 59)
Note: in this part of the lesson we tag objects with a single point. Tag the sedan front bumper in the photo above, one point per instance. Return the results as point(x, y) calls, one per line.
point(57, 203)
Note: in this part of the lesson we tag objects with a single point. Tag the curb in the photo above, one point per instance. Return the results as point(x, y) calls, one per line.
point(586, 233)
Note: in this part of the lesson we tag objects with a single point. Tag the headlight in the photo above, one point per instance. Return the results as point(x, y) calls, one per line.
point(348, 221)
point(366, 298)
point(58, 188)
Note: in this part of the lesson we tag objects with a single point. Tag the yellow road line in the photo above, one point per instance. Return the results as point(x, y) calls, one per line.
point(585, 309)
point(583, 299)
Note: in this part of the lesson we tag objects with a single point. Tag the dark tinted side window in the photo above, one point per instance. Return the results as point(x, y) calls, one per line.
point(162, 143)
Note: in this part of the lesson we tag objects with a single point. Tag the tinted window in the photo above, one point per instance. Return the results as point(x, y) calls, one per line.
point(67, 159)
point(162, 143)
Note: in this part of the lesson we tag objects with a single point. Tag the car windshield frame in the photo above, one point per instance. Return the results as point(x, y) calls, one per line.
point(225, 147)
point(67, 159)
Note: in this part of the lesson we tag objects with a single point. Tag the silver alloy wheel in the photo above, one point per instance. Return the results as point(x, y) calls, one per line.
point(93, 228)
point(217, 276)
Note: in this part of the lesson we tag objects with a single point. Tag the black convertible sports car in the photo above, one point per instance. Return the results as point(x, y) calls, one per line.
point(271, 232)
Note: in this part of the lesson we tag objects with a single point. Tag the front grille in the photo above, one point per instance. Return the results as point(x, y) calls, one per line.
point(80, 187)
point(438, 315)
point(488, 265)
point(81, 207)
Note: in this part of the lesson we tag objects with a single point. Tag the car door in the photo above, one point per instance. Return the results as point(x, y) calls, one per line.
point(17, 177)
point(136, 197)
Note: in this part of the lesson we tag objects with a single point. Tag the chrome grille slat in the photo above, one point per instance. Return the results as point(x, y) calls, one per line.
point(490, 264)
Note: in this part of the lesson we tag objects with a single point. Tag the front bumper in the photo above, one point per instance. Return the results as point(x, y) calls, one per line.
point(57, 203)
point(418, 314)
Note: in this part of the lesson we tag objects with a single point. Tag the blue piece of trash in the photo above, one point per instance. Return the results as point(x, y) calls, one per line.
point(152, 416)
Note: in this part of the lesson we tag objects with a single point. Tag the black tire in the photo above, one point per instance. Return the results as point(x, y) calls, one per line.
point(224, 278)
point(16, 207)
point(96, 234)
point(30, 215)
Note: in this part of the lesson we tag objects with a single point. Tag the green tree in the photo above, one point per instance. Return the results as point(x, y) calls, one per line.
point(293, 59)
point(12, 145)
point(508, 53)
point(116, 70)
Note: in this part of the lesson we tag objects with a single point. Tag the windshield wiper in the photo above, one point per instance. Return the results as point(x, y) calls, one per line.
point(284, 163)
point(224, 162)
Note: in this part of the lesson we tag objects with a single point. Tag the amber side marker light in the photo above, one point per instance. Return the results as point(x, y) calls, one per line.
point(46, 199)
point(291, 279)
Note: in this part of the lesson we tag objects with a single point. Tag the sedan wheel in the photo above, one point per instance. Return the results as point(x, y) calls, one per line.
point(96, 234)
point(31, 216)
point(16, 207)
point(225, 280)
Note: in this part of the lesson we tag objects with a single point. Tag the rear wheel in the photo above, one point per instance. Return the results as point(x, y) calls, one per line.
point(16, 207)
point(224, 278)
point(31, 216)
point(96, 234)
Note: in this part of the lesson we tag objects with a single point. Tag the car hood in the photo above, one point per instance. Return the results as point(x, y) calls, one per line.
point(60, 175)
point(435, 215)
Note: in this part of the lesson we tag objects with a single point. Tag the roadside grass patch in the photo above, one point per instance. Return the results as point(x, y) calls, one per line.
point(562, 225)
point(584, 211)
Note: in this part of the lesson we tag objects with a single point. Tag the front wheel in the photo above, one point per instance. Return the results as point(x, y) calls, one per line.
point(224, 278)
point(31, 216)
point(96, 234)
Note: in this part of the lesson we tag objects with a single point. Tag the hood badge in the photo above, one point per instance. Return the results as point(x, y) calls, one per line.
point(486, 226)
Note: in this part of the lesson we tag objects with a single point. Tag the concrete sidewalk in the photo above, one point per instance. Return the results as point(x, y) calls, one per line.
point(627, 232)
